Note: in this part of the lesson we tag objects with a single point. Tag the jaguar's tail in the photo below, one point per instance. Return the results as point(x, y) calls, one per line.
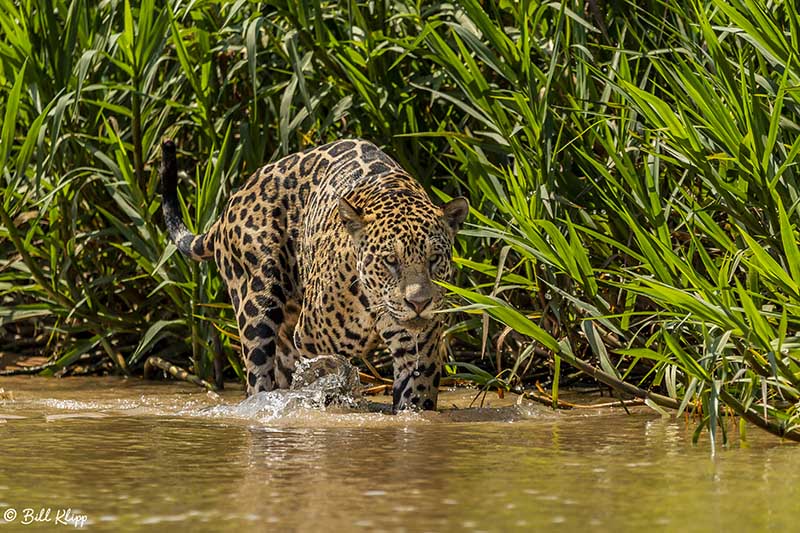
point(197, 247)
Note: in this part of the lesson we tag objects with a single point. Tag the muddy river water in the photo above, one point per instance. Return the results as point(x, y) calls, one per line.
point(124, 455)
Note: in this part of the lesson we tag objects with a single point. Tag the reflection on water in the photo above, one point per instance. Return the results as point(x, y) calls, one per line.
point(147, 456)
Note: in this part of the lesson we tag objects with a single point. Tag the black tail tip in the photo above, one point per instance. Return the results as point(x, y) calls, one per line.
point(168, 147)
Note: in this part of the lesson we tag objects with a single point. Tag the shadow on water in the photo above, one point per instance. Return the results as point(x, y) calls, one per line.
point(131, 455)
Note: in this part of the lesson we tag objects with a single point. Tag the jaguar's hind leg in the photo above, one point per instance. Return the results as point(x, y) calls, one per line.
point(260, 315)
point(257, 336)
point(287, 355)
point(258, 287)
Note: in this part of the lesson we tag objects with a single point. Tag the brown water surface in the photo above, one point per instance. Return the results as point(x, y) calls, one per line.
point(130, 455)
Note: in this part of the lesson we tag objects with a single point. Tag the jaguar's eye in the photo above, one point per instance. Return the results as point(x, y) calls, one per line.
point(435, 259)
point(390, 260)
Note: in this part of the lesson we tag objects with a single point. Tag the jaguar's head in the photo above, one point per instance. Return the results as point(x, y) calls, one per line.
point(404, 243)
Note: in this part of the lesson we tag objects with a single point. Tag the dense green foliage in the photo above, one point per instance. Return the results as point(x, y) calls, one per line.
point(631, 166)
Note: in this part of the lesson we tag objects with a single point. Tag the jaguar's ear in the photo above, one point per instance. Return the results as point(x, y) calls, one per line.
point(455, 212)
point(352, 220)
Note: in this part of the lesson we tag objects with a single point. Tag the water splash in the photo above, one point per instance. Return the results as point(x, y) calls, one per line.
point(332, 374)
point(318, 383)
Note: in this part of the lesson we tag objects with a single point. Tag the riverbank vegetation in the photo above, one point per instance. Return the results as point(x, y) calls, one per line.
point(632, 168)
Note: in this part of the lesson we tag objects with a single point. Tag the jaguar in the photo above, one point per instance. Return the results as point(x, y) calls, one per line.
point(335, 250)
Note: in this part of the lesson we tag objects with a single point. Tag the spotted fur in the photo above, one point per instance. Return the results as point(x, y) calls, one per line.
point(330, 251)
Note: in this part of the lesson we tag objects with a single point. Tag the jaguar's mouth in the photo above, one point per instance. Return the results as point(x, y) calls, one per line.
point(414, 323)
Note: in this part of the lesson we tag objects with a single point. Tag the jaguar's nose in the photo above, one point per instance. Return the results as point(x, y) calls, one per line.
point(418, 303)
